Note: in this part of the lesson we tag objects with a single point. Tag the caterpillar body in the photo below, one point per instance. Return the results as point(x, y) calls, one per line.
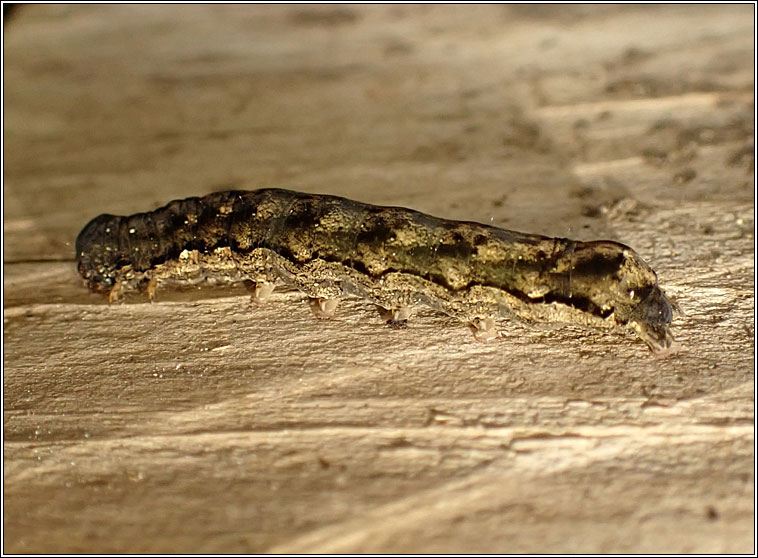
point(398, 258)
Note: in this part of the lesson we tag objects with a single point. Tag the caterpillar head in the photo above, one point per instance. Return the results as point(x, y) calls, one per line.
point(649, 311)
point(619, 283)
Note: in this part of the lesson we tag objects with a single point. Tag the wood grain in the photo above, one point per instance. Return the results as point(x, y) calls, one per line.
point(204, 423)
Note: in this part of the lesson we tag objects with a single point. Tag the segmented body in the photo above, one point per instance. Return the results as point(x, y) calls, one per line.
point(329, 246)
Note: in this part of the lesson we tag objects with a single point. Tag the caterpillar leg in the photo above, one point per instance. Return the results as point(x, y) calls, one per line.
point(116, 292)
point(396, 318)
point(323, 308)
point(261, 290)
point(151, 287)
point(484, 329)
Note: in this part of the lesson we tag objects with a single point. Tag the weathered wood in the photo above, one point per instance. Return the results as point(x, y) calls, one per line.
point(205, 423)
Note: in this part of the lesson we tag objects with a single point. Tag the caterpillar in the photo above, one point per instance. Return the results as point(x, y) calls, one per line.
point(330, 247)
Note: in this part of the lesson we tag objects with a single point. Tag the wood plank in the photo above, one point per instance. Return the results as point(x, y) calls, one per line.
point(204, 423)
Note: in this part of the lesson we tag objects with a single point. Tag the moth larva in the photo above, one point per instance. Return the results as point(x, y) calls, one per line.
point(398, 258)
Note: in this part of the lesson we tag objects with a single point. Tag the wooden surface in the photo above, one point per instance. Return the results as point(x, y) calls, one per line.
point(202, 423)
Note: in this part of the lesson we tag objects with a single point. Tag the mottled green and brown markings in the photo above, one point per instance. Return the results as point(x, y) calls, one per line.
point(396, 257)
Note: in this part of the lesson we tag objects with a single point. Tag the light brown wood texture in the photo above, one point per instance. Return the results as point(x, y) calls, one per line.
point(204, 423)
